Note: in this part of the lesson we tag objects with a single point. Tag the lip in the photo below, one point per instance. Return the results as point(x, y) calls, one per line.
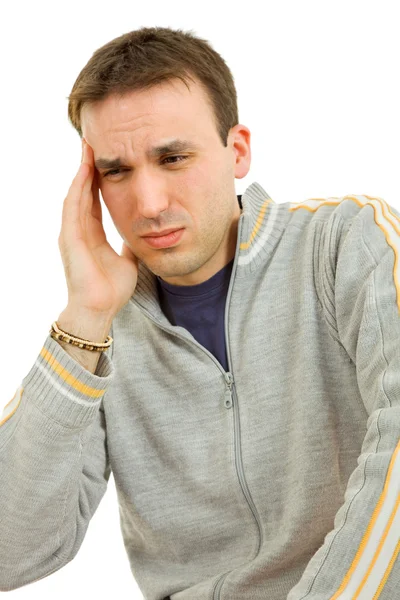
point(161, 233)
point(164, 241)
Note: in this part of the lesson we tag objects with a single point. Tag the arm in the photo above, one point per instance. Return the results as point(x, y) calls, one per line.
point(54, 465)
point(359, 558)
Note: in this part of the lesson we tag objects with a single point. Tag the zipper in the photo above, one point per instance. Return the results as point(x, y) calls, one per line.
point(218, 585)
point(240, 472)
point(229, 393)
point(230, 400)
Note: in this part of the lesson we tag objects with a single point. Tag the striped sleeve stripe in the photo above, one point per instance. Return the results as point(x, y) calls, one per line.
point(72, 381)
point(12, 406)
point(53, 370)
point(380, 545)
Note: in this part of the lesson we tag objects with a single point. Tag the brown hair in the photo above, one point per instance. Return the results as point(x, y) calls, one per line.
point(145, 57)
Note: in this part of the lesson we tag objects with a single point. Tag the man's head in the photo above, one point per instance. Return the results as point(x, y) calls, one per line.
point(190, 188)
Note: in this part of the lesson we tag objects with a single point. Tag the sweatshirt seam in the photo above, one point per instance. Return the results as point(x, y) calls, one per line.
point(316, 270)
point(382, 338)
point(369, 250)
point(67, 492)
point(325, 296)
point(321, 276)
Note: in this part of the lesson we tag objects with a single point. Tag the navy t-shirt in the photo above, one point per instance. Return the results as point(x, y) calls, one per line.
point(200, 308)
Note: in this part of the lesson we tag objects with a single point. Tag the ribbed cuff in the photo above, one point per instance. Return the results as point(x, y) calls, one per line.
point(64, 390)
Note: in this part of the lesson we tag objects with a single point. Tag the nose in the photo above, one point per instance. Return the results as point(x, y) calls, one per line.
point(150, 199)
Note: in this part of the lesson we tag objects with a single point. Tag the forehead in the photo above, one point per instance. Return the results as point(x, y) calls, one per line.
point(161, 105)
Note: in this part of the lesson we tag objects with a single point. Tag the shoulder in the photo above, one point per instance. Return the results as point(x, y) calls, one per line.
point(368, 220)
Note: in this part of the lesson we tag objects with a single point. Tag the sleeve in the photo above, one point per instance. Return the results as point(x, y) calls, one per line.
point(54, 466)
point(359, 558)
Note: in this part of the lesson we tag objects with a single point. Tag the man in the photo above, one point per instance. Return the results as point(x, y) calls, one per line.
point(249, 406)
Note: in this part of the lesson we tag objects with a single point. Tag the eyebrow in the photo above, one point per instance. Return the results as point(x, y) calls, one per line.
point(175, 145)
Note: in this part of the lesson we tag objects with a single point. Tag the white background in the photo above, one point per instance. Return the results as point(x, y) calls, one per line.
point(318, 86)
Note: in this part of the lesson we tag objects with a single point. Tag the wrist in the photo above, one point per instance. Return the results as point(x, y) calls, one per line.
point(80, 323)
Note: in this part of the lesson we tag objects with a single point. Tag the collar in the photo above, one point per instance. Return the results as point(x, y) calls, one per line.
point(260, 226)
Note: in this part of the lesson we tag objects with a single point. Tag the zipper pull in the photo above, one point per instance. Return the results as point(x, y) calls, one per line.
point(228, 398)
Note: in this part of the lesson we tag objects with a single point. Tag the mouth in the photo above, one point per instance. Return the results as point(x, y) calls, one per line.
point(161, 233)
point(164, 240)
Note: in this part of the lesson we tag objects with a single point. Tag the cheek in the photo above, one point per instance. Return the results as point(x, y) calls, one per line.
point(118, 209)
point(113, 196)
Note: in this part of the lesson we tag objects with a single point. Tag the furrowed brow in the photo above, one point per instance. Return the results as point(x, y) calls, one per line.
point(156, 152)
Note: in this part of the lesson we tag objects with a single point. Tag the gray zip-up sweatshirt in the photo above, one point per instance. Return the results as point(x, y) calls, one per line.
point(278, 479)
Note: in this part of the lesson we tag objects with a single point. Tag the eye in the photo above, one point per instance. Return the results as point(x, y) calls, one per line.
point(178, 156)
point(114, 172)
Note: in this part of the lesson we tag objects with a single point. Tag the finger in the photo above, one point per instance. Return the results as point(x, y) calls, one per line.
point(88, 159)
point(87, 196)
point(71, 212)
point(96, 207)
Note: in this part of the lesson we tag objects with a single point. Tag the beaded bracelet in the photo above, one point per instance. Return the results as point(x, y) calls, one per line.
point(58, 334)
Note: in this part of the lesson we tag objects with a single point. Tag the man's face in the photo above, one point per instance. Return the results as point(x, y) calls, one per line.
point(192, 188)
